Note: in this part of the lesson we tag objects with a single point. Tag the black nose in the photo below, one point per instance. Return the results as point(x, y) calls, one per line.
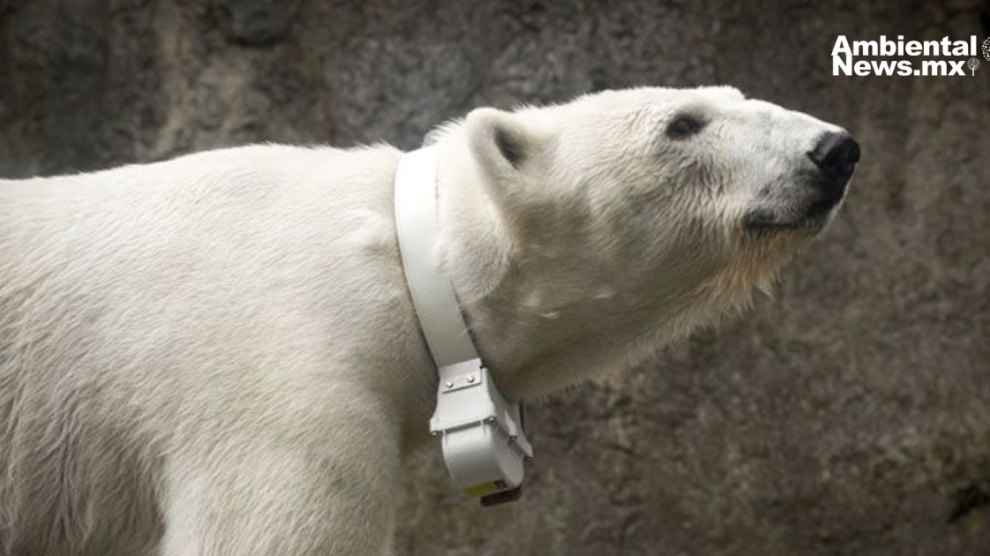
point(836, 154)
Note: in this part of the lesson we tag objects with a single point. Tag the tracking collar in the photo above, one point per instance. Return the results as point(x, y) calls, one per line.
point(481, 434)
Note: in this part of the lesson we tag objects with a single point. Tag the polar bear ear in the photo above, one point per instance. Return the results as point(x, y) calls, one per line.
point(503, 147)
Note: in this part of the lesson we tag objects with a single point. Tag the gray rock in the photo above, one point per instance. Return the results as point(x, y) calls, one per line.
point(255, 22)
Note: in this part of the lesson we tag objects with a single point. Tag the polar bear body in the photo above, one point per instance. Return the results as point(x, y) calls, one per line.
point(160, 342)
point(218, 355)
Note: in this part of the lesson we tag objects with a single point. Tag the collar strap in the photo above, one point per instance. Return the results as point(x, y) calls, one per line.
point(419, 233)
point(482, 437)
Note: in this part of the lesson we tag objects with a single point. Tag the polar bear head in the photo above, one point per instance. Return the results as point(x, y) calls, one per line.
point(605, 227)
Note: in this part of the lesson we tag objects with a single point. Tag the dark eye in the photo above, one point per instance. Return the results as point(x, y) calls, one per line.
point(684, 125)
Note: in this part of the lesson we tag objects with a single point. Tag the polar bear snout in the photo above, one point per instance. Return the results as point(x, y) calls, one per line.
point(809, 198)
point(836, 155)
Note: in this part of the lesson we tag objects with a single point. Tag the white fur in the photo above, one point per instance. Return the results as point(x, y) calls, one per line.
point(217, 354)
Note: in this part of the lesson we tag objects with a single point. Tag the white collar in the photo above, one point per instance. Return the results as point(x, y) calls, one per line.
point(482, 437)
point(417, 227)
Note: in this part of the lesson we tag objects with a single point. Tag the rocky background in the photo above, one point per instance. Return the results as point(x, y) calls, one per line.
point(850, 414)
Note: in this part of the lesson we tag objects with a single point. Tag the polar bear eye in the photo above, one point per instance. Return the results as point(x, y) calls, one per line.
point(684, 125)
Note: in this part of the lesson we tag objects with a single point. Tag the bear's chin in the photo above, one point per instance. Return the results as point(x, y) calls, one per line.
point(753, 263)
point(759, 225)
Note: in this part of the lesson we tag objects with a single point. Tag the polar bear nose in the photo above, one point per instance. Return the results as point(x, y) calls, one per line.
point(836, 154)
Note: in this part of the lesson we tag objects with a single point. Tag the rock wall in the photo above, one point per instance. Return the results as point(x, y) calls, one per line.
point(850, 414)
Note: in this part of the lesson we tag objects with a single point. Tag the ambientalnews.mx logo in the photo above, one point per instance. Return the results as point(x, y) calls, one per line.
point(844, 55)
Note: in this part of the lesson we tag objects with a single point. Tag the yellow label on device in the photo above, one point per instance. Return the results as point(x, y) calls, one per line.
point(483, 489)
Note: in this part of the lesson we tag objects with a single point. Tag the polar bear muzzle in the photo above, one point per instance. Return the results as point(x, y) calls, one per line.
point(822, 188)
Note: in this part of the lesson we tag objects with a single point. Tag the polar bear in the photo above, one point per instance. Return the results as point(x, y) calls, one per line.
point(217, 355)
